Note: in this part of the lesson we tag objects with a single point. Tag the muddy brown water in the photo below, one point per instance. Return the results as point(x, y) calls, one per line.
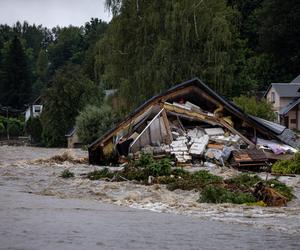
point(40, 210)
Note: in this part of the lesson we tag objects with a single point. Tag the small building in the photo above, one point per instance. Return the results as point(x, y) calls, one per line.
point(34, 109)
point(285, 98)
point(73, 139)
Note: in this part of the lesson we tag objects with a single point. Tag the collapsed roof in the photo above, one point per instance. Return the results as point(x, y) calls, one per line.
point(201, 106)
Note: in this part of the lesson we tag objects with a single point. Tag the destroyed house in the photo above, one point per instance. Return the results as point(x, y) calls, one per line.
point(190, 114)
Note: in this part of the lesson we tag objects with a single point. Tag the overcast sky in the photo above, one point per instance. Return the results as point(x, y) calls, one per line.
point(50, 13)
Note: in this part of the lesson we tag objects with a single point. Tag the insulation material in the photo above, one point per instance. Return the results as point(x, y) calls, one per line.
point(180, 150)
point(226, 140)
point(195, 133)
point(199, 145)
point(213, 154)
point(181, 106)
point(192, 106)
point(214, 131)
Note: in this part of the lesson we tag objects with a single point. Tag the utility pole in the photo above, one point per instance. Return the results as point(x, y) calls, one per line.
point(7, 124)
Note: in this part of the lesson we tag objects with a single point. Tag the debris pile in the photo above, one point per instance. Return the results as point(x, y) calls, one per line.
point(66, 156)
point(193, 125)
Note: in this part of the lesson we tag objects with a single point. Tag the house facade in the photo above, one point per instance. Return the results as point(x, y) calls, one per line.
point(285, 98)
point(34, 110)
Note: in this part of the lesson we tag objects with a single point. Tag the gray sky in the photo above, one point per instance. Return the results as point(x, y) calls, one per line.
point(50, 13)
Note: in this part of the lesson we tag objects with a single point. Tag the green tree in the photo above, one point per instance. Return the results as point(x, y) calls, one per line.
point(260, 108)
point(93, 122)
point(67, 47)
point(42, 67)
point(279, 36)
point(151, 45)
point(71, 90)
point(33, 127)
point(16, 82)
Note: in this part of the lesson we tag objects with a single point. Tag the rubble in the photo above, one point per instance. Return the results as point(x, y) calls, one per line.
point(192, 124)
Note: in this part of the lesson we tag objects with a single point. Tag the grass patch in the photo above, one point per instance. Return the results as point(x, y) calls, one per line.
point(197, 181)
point(288, 166)
point(67, 174)
point(243, 181)
point(216, 194)
point(242, 189)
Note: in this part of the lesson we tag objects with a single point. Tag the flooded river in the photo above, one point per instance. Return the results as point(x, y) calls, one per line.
point(40, 210)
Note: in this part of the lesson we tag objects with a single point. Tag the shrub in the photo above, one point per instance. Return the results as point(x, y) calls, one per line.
point(260, 108)
point(196, 181)
point(2, 129)
point(33, 127)
point(67, 174)
point(288, 166)
point(93, 122)
point(243, 181)
point(216, 194)
point(144, 160)
point(159, 168)
point(15, 126)
point(99, 174)
point(153, 167)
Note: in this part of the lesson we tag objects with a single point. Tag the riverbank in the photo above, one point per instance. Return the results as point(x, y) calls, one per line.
point(18, 171)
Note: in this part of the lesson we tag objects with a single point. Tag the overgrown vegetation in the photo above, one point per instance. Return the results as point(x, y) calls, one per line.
point(217, 194)
point(13, 126)
point(260, 108)
point(287, 166)
point(93, 122)
point(212, 188)
point(67, 174)
point(34, 129)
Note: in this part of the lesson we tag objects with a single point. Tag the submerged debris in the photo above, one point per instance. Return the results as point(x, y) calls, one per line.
point(67, 156)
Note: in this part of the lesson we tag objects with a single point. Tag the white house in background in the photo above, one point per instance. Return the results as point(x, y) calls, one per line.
point(286, 102)
point(34, 109)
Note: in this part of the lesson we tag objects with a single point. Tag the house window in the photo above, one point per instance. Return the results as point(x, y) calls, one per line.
point(37, 109)
point(273, 97)
point(293, 121)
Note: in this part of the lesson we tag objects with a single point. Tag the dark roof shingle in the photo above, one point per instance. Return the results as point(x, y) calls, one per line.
point(296, 80)
point(287, 89)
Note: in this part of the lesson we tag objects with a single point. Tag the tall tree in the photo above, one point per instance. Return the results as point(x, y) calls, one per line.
point(151, 45)
point(16, 81)
point(67, 47)
point(71, 90)
point(280, 36)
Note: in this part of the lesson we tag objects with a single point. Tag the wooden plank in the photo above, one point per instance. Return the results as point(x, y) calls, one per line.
point(167, 125)
point(234, 131)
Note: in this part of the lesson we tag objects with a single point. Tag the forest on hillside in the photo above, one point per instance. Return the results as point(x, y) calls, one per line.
point(237, 47)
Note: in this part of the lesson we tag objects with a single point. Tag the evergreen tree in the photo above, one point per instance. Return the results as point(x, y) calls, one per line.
point(16, 82)
point(280, 36)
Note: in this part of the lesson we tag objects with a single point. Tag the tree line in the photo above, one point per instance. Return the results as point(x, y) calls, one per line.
point(237, 47)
